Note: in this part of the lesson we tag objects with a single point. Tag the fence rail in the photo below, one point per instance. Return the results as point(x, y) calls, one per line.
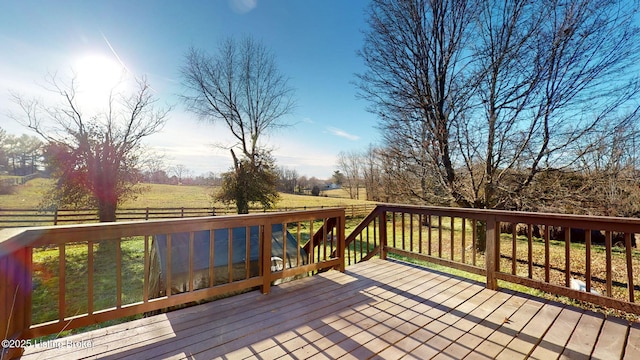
point(33, 217)
point(18, 180)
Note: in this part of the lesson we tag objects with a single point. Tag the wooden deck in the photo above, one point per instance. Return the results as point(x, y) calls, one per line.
point(376, 309)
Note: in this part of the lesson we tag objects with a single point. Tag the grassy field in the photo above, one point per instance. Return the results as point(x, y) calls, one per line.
point(30, 195)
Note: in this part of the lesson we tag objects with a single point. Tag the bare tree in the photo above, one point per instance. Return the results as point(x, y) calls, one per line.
point(610, 172)
point(242, 87)
point(303, 184)
point(485, 95)
point(180, 171)
point(551, 82)
point(94, 157)
point(372, 174)
point(154, 168)
point(414, 52)
point(4, 159)
point(287, 180)
point(350, 164)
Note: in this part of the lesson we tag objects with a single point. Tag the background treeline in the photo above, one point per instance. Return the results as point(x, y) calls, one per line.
point(25, 155)
point(20, 155)
point(599, 185)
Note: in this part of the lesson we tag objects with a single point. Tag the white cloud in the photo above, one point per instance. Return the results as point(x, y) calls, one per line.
point(342, 133)
point(242, 6)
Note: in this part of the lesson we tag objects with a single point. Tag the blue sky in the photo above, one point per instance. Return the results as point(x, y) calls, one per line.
point(315, 44)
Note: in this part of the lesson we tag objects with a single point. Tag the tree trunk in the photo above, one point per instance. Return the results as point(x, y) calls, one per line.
point(481, 236)
point(107, 212)
point(242, 206)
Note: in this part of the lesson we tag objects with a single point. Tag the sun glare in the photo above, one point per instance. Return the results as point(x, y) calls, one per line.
point(97, 76)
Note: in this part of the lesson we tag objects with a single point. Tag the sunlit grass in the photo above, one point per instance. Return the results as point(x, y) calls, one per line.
point(29, 196)
point(46, 263)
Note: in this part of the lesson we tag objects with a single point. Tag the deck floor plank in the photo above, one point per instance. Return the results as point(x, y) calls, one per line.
point(526, 340)
point(392, 318)
point(338, 320)
point(555, 339)
point(463, 318)
point(510, 326)
point(285, 313)
point(632, 350)
point(584, 337)
point(378, 309)
point(612, 338)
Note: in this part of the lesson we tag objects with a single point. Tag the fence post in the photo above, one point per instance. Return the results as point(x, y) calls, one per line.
point(55, 216)
point(492, 251)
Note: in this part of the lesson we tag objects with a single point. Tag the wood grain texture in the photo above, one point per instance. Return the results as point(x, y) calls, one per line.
point(376, 309)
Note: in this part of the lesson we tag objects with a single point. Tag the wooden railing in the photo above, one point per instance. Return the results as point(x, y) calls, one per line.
point(51, 278)
point(551, 252)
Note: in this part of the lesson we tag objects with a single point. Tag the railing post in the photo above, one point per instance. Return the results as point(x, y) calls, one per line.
point(341, 240)
point(383, 235)
point(492, 250)
point(15, 299)
point(267, 237)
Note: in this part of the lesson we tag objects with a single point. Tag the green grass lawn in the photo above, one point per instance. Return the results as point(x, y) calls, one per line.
point(29, 196)
point(46, 264)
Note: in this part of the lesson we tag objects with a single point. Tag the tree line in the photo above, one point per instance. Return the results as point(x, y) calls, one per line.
point(602, 186)
point(20, 155)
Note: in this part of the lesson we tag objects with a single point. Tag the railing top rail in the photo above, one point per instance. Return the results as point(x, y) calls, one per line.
point(600, 222)
point(12, 239)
